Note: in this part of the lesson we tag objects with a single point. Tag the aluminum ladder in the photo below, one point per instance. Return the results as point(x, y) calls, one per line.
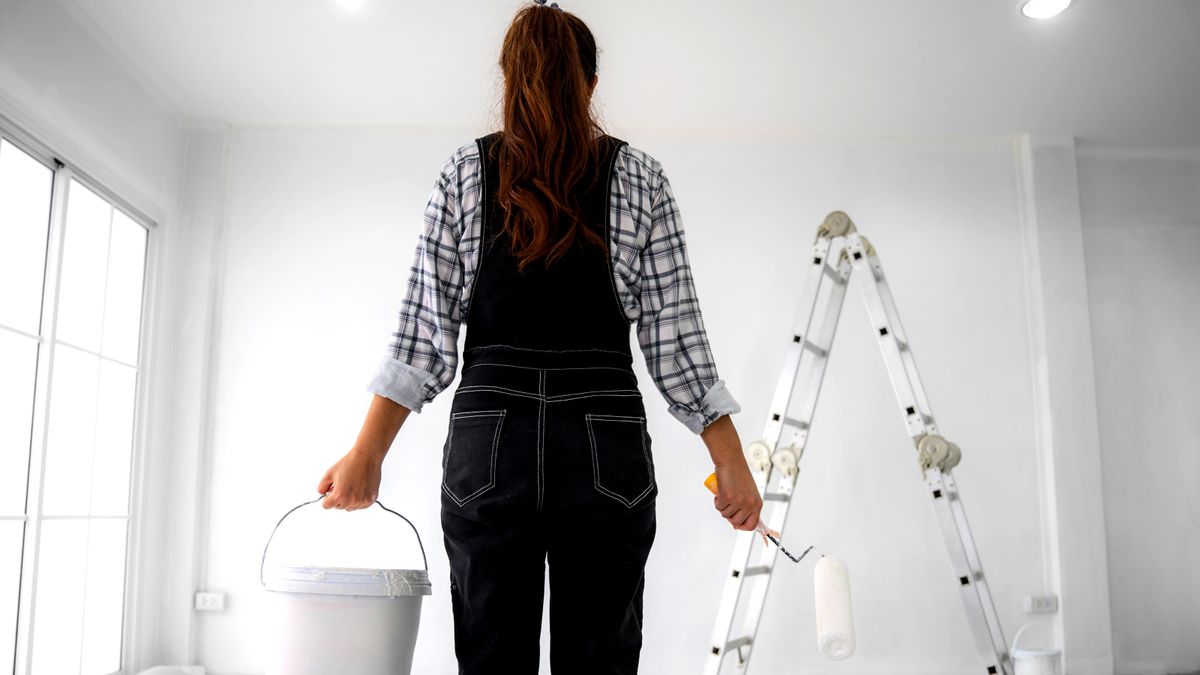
point(778, 453)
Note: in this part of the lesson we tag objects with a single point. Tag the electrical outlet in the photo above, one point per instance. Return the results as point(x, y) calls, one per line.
point(1041, 603)
point(208, 602)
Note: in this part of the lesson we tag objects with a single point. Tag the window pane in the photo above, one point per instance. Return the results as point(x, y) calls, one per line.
point(11, 533)
point(78, 613)
point(58, 608)
point(25, 187)
point(114, 439)
point(85, 256)
point(72, 431)
point(123, 296)
point(103, 610)
point(18, 359)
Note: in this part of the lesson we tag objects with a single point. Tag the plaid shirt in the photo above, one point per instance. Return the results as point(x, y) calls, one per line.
point(650, 268)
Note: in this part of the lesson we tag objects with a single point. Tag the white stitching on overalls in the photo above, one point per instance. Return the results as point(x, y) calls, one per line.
point(557, 398)
point(588, 394)
point(513, 365)
point(504, 390)
point(541, 441)
point(551, 351)
point(495, 442)
point(595, 456)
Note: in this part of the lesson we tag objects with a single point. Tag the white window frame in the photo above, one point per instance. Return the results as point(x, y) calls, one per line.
point(63, 171)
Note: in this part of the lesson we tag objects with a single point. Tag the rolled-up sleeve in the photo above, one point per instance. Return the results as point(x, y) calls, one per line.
point(422, 356)
point(671, 328)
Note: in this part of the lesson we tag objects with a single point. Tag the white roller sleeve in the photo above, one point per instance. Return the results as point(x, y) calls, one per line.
point(835, 623)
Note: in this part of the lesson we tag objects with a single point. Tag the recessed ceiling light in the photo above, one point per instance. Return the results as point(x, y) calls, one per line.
point(350, 4)
point(1043, 9)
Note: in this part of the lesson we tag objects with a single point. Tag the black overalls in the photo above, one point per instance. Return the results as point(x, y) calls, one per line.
point(547, 457)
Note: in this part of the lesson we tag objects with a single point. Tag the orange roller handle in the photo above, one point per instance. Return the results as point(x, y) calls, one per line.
point(761, 528)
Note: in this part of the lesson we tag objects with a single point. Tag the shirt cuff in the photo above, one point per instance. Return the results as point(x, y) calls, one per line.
point(716, 403)
point(401, 382)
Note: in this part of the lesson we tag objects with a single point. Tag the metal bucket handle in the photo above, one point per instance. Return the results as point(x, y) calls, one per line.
point(264, 555)
point(1017, 637)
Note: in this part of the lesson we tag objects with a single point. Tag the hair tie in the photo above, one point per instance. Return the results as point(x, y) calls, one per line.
point(553, 4)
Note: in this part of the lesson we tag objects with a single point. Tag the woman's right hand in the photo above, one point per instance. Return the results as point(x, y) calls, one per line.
point(354, 480)
point(737, 497)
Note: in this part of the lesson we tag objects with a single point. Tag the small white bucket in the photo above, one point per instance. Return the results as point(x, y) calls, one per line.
point(1035, 660)
point(338, 620)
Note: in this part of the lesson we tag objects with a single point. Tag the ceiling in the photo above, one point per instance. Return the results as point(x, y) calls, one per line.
point(1120, 71)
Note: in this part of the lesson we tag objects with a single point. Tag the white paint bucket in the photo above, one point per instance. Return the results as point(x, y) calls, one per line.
point(337, 620)
point(1035, 660)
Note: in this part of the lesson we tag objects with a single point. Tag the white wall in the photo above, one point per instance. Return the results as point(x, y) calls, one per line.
point(1141, 215)
point(61, 80)
point(321, 227)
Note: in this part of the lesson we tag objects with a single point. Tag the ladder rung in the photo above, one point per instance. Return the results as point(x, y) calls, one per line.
point(776, 497)
point(740, 642)
point(757, 569)
point(814, 348)
point(831, 272)
point(796, 422)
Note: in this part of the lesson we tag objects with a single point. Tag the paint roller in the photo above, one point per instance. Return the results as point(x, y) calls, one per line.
point(835, 622)
point(831, 592)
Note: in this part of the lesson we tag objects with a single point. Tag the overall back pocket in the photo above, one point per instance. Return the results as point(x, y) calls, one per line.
point(622, 467)
point(469, 461)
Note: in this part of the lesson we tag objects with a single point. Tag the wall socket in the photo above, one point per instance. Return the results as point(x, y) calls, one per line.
point(1041, 603)
point(208, 602)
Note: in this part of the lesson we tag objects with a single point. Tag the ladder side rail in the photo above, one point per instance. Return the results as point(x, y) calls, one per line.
point(732, 590)
point(769, 556)
point(731, 595)
point(993, 656)
point(777, 514)
point(810, 290)
point(826, 332)
point(893, 315)
point(957, 509)
point(906, 384)
point(982, 587)
point(914, 420)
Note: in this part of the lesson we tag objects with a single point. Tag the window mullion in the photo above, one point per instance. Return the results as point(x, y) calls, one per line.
point(41, 419)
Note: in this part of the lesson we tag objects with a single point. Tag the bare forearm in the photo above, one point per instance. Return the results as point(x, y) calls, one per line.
point(722, 440)
point(737, 495)
point(384, 419)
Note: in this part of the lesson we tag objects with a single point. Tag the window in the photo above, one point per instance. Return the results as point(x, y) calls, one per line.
point(72, 267)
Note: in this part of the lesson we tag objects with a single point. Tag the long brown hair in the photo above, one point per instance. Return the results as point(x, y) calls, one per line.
point(547, 150)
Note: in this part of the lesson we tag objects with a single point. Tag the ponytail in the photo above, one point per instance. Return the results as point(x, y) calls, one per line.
point(548, 150)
